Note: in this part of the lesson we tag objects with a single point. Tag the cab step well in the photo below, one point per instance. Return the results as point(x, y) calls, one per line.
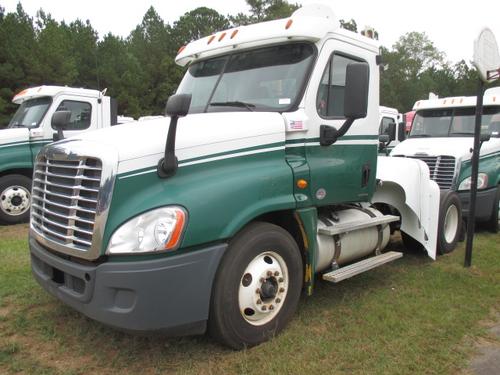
point(352, 226)
point(360, 267)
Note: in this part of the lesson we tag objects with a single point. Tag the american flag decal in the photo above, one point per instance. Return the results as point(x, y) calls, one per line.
point(296, 125)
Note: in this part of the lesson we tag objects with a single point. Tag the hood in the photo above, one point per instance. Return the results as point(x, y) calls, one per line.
point(452, 146)
point(206, 135)
point(14, 135)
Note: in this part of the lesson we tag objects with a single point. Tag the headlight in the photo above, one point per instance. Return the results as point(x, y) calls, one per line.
point(482, 182)
point(157, 230)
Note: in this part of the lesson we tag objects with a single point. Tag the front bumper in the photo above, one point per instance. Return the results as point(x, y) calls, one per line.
point(484, 203)
point(170, 295)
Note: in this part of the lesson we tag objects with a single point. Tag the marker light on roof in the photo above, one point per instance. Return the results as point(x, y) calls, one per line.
point(222, 36)
point(181, 49)
point(210, 40)
point(21, 93)
point(233, 34)
point(288, 24)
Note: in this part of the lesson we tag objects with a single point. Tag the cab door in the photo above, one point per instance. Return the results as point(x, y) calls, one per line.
point(345, 170)
point(84, 114)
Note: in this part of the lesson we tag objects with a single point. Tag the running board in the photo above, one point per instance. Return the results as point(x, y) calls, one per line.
point(352, 226)
point(356, 268)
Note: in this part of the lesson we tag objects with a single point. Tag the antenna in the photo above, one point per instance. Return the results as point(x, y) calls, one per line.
point(97, 69)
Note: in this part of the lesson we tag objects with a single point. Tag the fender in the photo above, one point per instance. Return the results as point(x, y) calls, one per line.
point(405, 185)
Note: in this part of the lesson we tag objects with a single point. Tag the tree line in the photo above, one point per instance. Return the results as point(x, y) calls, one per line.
point(140, 71)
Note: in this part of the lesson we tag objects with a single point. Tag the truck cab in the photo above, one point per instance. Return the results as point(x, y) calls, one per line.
point(264, 174)
point(442, 135)
point(392, 129)
point(31, 128)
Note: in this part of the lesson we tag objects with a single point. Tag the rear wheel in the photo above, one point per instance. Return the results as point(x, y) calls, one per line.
point(15, 197)
point(450, 222)
point(257, 287)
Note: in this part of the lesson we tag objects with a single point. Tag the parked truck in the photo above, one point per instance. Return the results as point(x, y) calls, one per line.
point(392, 129)
point(264, 175)
point(31, 128)
point(442, 135)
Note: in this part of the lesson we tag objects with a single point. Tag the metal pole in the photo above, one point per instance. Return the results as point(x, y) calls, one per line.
point(475, 167)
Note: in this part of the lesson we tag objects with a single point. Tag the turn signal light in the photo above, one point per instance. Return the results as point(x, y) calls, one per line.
point(302, 184)
point(288, 24)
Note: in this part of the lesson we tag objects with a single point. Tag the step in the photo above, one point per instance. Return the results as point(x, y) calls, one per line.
point(356, 268)
point(352, 226)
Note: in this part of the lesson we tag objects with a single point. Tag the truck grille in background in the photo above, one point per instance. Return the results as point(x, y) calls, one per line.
point(64, 200)
point(441, 169)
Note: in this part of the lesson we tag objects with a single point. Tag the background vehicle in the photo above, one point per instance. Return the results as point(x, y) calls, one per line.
point(221, 218)
point(442, 135)
point(393, 126)
point(30, 129)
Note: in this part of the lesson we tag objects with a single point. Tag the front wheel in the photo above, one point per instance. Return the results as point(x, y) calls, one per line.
point(257, 286)
point(450, 222)
point(15, 196)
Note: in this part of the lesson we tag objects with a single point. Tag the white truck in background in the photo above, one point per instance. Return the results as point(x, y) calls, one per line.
point(442, 135)
point(31, 128)
point(392, 129)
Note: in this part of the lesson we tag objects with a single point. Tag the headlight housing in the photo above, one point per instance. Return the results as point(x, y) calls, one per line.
point(482, 182)
point(157, 230)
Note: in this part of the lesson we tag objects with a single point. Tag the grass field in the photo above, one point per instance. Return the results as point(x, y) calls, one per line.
point(413, 316)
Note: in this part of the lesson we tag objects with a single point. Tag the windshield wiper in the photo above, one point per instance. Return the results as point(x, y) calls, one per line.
point(420, 136)
point(462, 133)
point(248, 106)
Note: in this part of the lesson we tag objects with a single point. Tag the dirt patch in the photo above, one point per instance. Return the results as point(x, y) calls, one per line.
point(487, 359)
point(14, 231)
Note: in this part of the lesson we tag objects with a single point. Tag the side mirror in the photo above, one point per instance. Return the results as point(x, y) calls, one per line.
point(401, 131)
point(60, 121)
point(178, 105)
point(383, 140)
point(391, 131)
point(485, 137)
point(356, 91)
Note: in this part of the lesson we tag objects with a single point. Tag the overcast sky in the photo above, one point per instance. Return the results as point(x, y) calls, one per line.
point(451, 25)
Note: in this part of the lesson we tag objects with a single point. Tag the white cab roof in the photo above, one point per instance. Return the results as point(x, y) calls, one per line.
point(310, 23)
point(52, 91)
point(491, 97)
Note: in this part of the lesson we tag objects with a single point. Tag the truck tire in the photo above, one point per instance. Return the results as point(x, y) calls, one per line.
point(450, 222)
point(492, 223)
point(15, 197)
point(257, 286)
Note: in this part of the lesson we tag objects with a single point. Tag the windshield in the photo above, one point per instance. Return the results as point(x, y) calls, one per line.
point(30, 113)
point(456, 122)
point(264, 79)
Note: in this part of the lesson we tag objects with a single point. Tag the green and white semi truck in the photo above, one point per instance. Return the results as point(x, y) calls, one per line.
point(264, 176)
point(31, 128)
point(442, 135)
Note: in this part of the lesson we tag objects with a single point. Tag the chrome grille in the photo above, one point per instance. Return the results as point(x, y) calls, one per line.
point(441, 169)
point(65, 200)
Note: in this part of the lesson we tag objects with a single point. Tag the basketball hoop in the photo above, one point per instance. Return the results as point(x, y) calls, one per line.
point(486, 56)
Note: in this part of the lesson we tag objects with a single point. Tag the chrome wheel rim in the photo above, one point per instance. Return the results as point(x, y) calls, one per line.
point(15, 200)
point(451, 223)
point(263, 288)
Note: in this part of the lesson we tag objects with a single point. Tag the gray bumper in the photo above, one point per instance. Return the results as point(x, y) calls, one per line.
point(484, 203)
point(171, 295)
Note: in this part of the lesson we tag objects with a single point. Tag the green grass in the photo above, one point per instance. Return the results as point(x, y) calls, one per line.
point(411, 316)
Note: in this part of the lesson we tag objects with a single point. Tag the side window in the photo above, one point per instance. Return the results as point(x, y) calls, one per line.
point(384, 125)
point(81, 113)
point(330, 98)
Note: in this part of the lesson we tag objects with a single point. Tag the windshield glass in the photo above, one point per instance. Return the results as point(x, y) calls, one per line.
point(30, 113)
point(457, 122)
point(264, 79)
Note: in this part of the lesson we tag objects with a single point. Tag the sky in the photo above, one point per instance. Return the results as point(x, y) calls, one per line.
point(451, 25)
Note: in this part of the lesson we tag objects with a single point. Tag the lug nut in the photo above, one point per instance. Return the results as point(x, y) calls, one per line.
point(257, 291)
point(262, 280)
point(277, 300)
point(264, 308)
point(271, 307)
point(282, 290)
point(269, 273)
point(259, 302)
point(276, 273)
point(280, 279)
